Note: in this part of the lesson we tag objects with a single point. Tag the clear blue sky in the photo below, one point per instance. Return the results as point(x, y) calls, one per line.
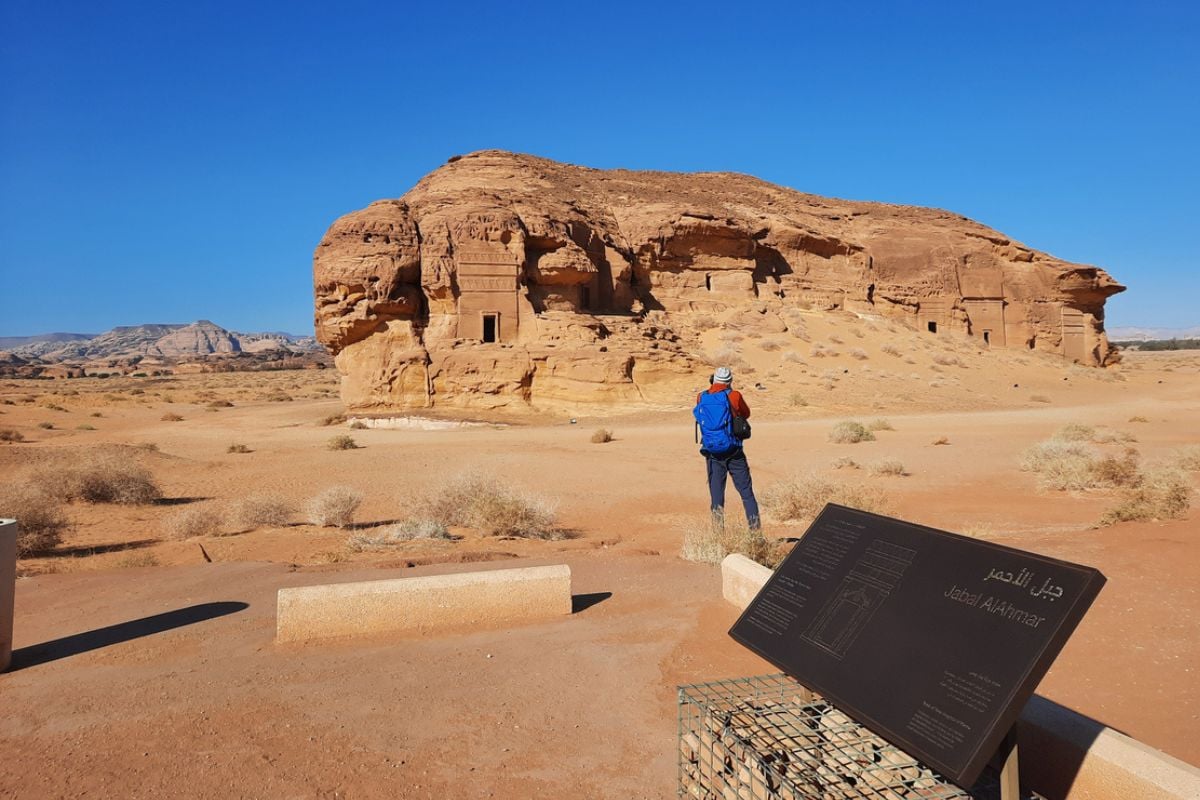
point(163, 162)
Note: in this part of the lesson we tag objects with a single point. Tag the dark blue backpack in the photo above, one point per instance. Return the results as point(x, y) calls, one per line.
point(715, 419)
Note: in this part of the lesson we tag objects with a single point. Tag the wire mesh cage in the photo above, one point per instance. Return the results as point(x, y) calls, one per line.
point(769, 738)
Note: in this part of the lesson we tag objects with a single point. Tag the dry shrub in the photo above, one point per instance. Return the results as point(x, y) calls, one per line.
point(890, 349)
point(947, 360)
point(10, 435)
point(1076, 432)
point(797, 400)
point(334, 419)
point(1188, 457)
point(729, 357)
point(279, 397)
point(405, 531)
point(334, 507)
point(836, 340)
point(1104, 436)
point(942, 440)
point(215, 404)
point(342, 442)
point(801, 498)
point(711, 540)
point(1138, 418)
point(850, 432)
point(358, 425)
point(108, 476)
point(880, 424)
point(1119, 471)
point(845, 462)
point(238, 447)
point(793, 357)
point(1164, 493)
point(41, 518)
point(602, 436)
point(770, 345)
point(487, 504)
point(46, 426)
point(171, 418)
point(1039, 398)
point(193, 521)
point(1060, 465)
point(858, 353)
point(889, 466)
point(263, 509)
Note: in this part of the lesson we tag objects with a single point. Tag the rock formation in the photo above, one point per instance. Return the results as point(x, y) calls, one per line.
point(505, 280)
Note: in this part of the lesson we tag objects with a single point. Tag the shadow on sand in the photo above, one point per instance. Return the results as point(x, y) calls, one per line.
point(75, 644)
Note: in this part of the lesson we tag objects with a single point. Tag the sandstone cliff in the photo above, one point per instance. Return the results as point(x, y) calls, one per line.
point(505, 280)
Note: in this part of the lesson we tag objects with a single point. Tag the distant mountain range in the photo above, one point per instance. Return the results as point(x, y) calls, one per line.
point(1136, 334)
point(168, 342)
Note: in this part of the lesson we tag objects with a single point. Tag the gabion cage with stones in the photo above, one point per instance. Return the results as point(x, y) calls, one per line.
point(769, 738)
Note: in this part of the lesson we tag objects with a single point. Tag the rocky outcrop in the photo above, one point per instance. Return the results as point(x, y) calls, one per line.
point(504, 280)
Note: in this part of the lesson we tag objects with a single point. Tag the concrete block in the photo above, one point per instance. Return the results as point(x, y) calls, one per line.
point(423, 604)
point(741, 579)
point(1074, 757)
point(8, 588)
point(1064, 755)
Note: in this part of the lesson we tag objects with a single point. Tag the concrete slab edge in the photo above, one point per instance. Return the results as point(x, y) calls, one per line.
point(424, 603)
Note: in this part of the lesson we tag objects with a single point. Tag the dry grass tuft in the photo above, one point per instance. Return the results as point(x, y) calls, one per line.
point(263, 510)
point(46, 426)
point(1039, 398)
point(171, 418)
point(850, 432)
point(845, 462)
point(406, 531)
point(1188, 457)
point(890, 349)
point(334, 419)
point(602, 436)
point(10, 435)
point(797, 400)
point(342, 442)
point(711, 540)
point(358, 425)
point(948, 360)
point(334, 507)
point(1075, 432)
point(889, 466)
point(941, 440)
point(238, 447)
point(880, 425)
point(859, 354)
point(1138, 418)
point(1163, 493)
point(201, 520)
point(801, 498)
point(1060, 465)
point(108, 476)
point(41, 517)
point(770, 345)
point(487, 504)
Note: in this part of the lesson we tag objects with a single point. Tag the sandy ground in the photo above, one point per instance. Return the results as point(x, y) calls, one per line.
point(202, 703)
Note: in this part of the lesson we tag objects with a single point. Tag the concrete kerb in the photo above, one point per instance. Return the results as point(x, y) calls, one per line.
point(423, 604)
point(8, 588)
point(1071, 757)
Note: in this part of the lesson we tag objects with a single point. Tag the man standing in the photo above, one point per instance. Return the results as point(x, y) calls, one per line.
point(722, 451)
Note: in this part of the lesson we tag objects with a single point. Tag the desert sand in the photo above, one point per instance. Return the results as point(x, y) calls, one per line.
point(583, 706)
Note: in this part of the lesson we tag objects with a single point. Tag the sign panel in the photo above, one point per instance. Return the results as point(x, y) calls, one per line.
point(934, 641)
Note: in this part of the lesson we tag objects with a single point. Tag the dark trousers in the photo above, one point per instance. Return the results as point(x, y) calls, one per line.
point(735, 465)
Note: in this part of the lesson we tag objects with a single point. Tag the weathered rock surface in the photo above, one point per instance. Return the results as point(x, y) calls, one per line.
point(505, 280)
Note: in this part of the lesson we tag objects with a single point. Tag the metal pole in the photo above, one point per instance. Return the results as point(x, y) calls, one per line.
point(8, 588)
